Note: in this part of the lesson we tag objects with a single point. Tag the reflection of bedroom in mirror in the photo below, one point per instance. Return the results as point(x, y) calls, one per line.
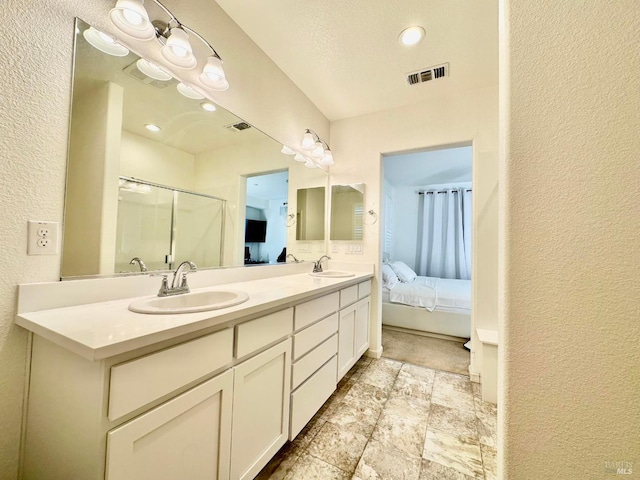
point(426, 236)
point(265, 233)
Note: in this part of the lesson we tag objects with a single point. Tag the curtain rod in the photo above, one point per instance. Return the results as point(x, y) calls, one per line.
point(424, 192)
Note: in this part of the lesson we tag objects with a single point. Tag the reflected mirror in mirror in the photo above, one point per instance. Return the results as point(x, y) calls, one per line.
point(162, 195)
point(310, 214)
point(347, 210)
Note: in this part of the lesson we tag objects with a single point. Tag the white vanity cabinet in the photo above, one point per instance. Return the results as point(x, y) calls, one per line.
point(216, 403)
point(261, 390)
point(315, 348)
point(353, 334)
point(111, 418)
point(187, 437)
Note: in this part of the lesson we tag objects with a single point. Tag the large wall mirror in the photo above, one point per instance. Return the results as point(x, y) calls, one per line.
point(182, 191)
point(347, 211)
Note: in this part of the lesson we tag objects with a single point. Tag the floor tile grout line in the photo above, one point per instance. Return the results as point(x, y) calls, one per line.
point(426, 428)
point(370, 437)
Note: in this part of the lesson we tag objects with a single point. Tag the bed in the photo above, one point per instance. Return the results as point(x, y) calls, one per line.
point(431, 306)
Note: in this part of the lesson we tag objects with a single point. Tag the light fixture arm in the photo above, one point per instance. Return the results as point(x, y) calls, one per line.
point(163, 30)
point(215, 54)
point(317, 137)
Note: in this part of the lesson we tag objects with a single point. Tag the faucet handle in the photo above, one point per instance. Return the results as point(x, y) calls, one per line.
point(183, 282)
point(164, 286)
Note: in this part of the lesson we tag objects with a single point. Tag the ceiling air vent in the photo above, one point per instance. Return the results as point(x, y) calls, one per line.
point(428, 74)
point(238, 127)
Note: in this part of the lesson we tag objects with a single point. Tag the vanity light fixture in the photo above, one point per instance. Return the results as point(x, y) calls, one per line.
point(209, 107)
point(104, 43)
point(314, 151)
point(152, 70)
point(177, 50)
point(308, 142)
point(189, 91)
point(411, 35)
point(151, 127)
point(131, 17)
point(319, 148)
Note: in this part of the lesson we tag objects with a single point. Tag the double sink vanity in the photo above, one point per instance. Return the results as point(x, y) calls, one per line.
point(214, 393)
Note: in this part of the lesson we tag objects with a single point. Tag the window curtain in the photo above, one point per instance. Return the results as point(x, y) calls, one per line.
point(444, 234)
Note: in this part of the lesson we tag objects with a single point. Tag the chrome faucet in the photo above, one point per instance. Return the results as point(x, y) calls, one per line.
point(179, 283)
point(294, 257)
point(138, 260)
point(317, 266)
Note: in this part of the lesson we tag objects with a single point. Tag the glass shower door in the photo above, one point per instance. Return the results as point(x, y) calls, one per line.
point(144, 226)
point(198, 229)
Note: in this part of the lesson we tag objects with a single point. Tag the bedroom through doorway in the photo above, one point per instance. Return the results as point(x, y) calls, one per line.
point(426, 253)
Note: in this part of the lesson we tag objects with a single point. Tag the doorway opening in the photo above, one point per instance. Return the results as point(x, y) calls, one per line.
point(265, 232)
point(426, 245)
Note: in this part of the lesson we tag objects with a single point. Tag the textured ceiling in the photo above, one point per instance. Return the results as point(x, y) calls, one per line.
point(346, 57)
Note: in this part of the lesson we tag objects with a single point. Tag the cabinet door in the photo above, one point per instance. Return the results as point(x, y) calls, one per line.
point(346, 340)
point(261, 390)
point(362, 326)
point(187, 437)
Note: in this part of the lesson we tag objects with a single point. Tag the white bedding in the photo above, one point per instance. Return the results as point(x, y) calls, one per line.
point(431, 293)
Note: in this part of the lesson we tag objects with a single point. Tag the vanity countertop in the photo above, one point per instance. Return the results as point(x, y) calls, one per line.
point(104, 329)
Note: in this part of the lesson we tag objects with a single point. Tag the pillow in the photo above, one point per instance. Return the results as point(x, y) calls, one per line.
point(403, 271)
point(389, 277)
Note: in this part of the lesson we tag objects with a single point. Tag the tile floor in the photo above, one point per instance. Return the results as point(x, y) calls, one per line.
point(392, 420)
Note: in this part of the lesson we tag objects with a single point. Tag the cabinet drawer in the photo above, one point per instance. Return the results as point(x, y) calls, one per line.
point(310, 312)
point(311, 395)
point(310, 337)
point(258, 333)
point(348, 295)
point(364, 289)
point(138, 382)
point(311, 362)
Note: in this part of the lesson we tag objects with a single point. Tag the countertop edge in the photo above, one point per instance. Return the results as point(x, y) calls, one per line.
point(222, 320)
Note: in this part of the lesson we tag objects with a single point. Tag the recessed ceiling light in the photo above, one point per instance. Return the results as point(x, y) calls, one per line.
point(209, 107)
point(411, 36)
point(152, 127)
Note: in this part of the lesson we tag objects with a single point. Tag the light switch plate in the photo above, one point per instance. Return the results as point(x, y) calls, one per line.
point(42, 238)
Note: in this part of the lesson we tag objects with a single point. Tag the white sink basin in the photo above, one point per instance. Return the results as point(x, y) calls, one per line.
point(190, 302)
point(332, 274)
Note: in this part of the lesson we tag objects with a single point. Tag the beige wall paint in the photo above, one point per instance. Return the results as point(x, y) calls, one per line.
point(450, 117)
point(36, 48)
point(93, 156)
point(570, 250)
point(155, 162)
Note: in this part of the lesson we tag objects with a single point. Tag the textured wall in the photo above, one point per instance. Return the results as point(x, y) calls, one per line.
point(36, 51)
point(570, 219)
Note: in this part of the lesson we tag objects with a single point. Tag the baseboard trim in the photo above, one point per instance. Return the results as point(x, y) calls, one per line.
point(474, 376)
point(425, 334)
point(376, 354)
